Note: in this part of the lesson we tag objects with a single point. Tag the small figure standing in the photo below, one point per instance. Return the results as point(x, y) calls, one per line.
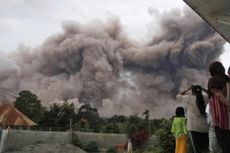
point(179, 130)
point(130, 147)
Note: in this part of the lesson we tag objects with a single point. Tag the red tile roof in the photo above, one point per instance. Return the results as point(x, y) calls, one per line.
point(9, 115)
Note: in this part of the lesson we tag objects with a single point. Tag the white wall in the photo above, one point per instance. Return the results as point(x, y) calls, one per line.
point(20, 138)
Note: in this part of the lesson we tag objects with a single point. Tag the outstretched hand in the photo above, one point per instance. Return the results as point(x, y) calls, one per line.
point(186, 90)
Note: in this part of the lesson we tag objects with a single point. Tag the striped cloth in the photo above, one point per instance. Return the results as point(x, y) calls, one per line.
point(220, 113)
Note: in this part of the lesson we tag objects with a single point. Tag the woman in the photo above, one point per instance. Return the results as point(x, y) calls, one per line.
point(218, 88)
point(197, 124)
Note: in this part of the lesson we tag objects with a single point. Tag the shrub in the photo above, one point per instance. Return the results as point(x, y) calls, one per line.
point(92, 147)
point(111, 150)
point(167, 141)
point(112, 128)
point(76, 142)
point(139, 138)
point(138, 131)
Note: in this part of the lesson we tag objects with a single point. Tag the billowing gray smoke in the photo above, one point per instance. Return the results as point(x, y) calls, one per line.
point(98, 64)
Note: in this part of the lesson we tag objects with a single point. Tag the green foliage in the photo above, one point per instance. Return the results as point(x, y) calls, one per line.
point(59, 115)
point(155, 125)
point(112, 128)
point(66, 113)
point(91, 115)
point(166, 138)
point(146, 113)
point(30, 105)
point(150, 148)
point(51, 119)
point(134, 124)
point(117, 119)
point(111, 150)
point(92, 147)
point(77, 142)
point(137, 130)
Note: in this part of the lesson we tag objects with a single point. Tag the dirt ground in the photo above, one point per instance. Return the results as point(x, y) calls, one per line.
point(48, 148)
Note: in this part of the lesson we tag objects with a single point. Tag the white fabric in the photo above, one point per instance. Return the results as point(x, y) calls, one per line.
point(209, 115)
point(130, 147)
point(195, 121)
point(213, 144)
point(214, 147)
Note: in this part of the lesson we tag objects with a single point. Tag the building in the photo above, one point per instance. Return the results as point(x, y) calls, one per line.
point(10, 116)
point(214, 12)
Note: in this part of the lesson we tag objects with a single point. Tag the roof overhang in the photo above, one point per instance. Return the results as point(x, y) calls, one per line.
point(215, 12)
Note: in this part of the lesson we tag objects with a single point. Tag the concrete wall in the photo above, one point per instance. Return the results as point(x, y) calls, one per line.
point(14, 139)
point(20, 138)
point(103, 140)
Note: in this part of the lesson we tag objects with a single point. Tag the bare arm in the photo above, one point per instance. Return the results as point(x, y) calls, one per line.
point(205, 90)
point(221, 97)
point(186, 90)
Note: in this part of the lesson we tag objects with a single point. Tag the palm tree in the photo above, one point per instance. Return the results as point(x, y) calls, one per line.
point(146, 113)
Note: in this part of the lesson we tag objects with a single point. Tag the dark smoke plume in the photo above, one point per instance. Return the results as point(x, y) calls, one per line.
point(97, 63)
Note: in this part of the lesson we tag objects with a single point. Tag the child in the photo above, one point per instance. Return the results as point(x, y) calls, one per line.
point(179, 130)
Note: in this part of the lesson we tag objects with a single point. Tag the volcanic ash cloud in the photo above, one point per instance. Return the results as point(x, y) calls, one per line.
point(97, 63)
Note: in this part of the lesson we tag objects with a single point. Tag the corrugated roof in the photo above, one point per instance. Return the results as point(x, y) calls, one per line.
point(215, 12)
point(9, 115)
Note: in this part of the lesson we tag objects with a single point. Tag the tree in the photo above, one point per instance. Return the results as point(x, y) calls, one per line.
point(59, 115)
point(137, 130)
point(30, 105)
point(66, 114)
point(87, 112)
point(51, 119)
point(117, 119)
point(166, 138)
point(146, 113)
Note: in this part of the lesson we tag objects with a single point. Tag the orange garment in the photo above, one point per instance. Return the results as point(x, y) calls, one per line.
point(181, 144)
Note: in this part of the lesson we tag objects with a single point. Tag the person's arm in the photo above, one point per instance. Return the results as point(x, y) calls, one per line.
point(205, 90)
point(186, 90)
point(182, 96)
point(221, 97)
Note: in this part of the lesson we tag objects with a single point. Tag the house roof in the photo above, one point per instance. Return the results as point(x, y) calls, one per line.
point(9, 115)
point(215, 12)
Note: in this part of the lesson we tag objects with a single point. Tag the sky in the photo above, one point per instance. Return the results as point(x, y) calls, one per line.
point(30, 22)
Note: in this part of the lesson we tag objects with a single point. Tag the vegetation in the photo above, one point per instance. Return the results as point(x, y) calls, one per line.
point(77, 142)
point(89, 115)
point(137, 128)
point(111, 150)
point(167, 142)
point(30, 105)
point(92, 147)
point(137, 131)
point(59, 115)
